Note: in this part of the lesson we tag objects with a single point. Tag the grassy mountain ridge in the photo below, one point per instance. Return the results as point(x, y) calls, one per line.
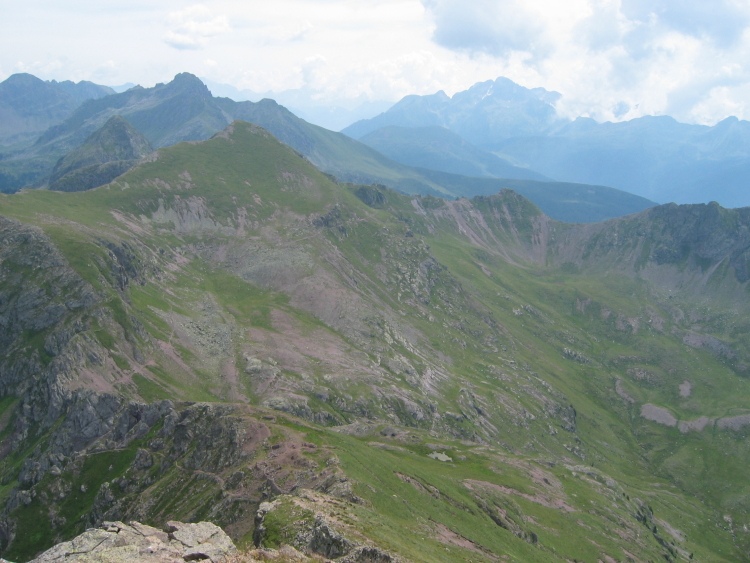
point(379, 329)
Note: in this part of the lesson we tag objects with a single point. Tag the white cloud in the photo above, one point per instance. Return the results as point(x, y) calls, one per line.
point(105, 71)
point(720, 102)
point(295, 31)
point(720, 21)
point(486, 26)
point(40, 67)
point(611, 59)
point(192, 27)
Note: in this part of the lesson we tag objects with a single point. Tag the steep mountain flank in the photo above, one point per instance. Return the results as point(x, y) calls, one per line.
point(690, 247)
point(107, 153)
point(180, 110)
point(224, 326)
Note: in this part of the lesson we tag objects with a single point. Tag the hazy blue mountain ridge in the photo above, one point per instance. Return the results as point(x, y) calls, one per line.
point(185, 110)
point(655, 157)
point(29, 106)
point(486, 112)
point(440, 149)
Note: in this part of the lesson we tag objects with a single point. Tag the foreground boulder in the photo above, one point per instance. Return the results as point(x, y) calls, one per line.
point(116, 542)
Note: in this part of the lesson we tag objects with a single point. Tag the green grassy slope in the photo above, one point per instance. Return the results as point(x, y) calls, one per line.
point(387, 327)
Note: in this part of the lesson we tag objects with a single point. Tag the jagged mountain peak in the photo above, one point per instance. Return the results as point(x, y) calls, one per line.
point(184, 109)
point(505, 89)
point(484, 113)
point(186, 82)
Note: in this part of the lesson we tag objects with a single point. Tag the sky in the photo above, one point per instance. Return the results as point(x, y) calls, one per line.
point(612, 60)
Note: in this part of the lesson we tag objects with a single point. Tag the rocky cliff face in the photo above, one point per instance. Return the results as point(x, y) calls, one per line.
point(699, 245)
point(316, 529)
point(111, 459)
point(45, 309)
point(117, 542)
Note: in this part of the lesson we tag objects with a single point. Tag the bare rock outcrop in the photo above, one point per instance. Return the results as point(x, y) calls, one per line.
point(116, 542)
point(315, 529)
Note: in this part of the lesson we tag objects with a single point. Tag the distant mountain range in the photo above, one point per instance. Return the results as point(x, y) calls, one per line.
point(332, 114)
point(495, 129)
point(29, 106)
point(655, 157)
point(185, 110)
point(484, 114)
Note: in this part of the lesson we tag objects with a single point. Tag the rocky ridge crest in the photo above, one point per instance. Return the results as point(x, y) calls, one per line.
point(116, 542)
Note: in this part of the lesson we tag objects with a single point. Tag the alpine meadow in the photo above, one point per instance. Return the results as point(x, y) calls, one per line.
point(444, 334)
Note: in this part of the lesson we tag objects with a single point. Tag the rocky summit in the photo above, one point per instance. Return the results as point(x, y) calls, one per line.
point(226, 334)
point(115, 541)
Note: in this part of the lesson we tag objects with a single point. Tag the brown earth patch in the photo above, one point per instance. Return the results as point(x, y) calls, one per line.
point(540, 476)
point(447, 536)
point(426, 489)
point(678, 535)
point(132, 225)
point(538, 498)
point(230, 374)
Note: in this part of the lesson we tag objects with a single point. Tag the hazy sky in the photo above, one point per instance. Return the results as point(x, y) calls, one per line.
point(611, 59)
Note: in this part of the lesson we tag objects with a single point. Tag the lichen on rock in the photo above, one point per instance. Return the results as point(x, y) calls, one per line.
point(116, 542)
